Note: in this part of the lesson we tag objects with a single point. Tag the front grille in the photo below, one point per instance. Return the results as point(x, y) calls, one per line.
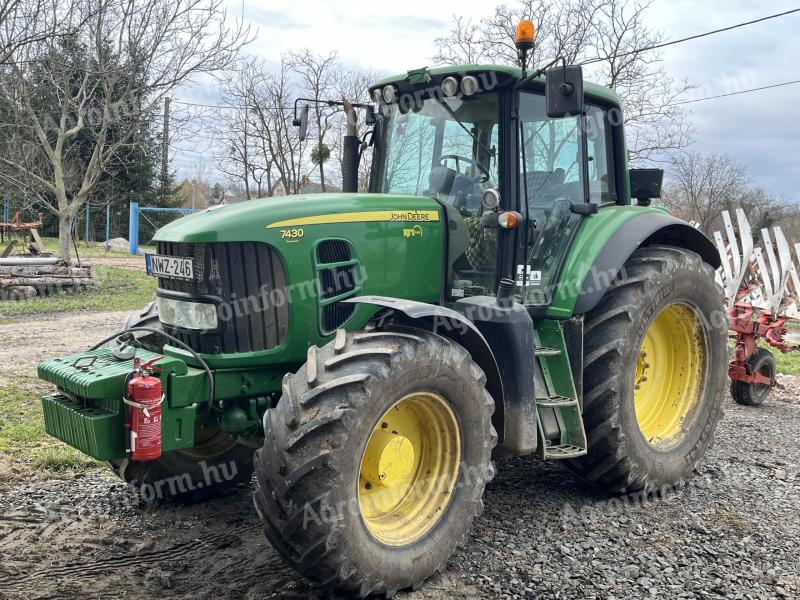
point(249, 279)
point(333, 251)
point(335, 315)
point(336, 280)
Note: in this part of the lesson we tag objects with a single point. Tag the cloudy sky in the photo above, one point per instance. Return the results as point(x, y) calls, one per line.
point(762, 129)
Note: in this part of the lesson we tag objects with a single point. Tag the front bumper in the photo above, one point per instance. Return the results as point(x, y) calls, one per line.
point(87, 411)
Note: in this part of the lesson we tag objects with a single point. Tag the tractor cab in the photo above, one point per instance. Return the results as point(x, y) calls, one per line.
point(515, 172)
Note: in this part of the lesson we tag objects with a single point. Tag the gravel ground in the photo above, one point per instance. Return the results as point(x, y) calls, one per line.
point(734, 531)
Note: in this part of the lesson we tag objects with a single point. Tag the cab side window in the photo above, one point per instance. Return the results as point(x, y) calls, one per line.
point(601, 170)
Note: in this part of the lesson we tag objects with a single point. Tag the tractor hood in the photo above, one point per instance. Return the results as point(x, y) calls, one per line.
point(330, 247)
point(268, 219)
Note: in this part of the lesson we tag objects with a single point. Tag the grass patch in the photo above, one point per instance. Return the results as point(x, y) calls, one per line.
point(788, 364)
point(118, 289)
point(23, 440)
point(90, 249)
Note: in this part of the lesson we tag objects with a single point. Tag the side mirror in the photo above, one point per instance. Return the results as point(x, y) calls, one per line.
point(564, 92)
point(302, 122)
point(646, 184)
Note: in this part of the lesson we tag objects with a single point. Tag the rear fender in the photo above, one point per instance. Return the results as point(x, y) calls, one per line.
point(648, 229)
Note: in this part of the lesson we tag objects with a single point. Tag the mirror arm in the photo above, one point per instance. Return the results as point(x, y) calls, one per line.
point(587, 191)
point(539, 72)
point(297, 101)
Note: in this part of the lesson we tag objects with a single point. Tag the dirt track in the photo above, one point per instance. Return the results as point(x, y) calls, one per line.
point(733, 531)
point(25, 343)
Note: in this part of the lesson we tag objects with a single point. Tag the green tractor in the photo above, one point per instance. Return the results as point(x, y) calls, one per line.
point(496, 293)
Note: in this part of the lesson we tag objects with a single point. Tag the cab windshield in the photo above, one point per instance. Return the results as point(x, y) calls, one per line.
point(444, 148)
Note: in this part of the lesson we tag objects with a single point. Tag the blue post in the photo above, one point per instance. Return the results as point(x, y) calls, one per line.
point(108, 224)
point(133, 229)
point(86, 227)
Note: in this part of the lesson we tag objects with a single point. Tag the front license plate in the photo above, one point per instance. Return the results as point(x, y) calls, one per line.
point(169, 266)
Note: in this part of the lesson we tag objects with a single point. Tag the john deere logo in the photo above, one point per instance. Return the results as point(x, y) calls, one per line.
point(414, 215)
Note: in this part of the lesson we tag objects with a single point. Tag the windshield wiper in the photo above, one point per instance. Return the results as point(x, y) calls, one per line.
point(491, 152)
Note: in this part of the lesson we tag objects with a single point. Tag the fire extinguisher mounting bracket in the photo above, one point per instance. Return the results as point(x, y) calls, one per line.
point(142, 407)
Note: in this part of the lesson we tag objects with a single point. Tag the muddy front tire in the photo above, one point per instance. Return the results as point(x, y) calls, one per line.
point(755, 394)
point(655, 365)
point(212, 468)
point(375, 460)
point(215, 466)
point(147, 317)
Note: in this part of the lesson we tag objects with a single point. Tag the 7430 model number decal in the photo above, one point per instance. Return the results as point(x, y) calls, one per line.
point(292, 234)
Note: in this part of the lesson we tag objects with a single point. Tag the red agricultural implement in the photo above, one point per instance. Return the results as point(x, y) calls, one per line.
point(761, 290)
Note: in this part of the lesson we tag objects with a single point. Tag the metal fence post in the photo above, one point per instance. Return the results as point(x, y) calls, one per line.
point(86, 227)
point(108, 225)
point(133, 229)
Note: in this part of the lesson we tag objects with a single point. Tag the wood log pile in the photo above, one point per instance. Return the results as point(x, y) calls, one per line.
point(21, 282)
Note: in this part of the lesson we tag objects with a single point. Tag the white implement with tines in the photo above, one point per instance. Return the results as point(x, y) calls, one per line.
point(764, 278)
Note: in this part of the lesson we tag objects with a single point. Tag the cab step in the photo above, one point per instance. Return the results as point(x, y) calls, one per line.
point(564, 451)
point(548, 352)
point(556, 402)
point(559, 399)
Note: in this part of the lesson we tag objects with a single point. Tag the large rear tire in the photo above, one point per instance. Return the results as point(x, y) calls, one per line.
point(375, 460)
point(214, 466)
point(655, 366)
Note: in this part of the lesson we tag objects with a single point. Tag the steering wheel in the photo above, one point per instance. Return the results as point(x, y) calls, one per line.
point(482, 178)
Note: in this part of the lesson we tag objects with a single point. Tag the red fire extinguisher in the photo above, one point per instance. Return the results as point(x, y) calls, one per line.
point(144, 397)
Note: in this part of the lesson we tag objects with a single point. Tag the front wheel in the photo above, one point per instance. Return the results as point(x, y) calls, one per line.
point(375, 460)
point(655, 366)
point(215, 465)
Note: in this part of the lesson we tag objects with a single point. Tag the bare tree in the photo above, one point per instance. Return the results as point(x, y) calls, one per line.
point(234, 156)
point(277, 137)
point(701, 186)
point(106, 79)
point(317, 74)
point(23, 23)
point(607, 35)
point(261, 146)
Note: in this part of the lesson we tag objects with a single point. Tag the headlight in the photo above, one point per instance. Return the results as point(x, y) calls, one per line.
point(389, 94)
point(450, 86)
point(469, 85)
point(188, 315)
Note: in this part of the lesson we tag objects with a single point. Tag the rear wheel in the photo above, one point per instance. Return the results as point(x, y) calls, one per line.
point(654, 372)
point(754, 394)
point(375, 460)
point(216, 464)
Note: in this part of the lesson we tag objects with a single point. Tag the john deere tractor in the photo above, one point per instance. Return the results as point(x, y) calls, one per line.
point(497, 292)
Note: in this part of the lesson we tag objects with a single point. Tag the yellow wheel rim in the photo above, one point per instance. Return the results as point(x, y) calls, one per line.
point(669, 376)
point(409, 469)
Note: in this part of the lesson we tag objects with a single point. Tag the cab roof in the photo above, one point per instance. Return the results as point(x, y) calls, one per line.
point(592, 90)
